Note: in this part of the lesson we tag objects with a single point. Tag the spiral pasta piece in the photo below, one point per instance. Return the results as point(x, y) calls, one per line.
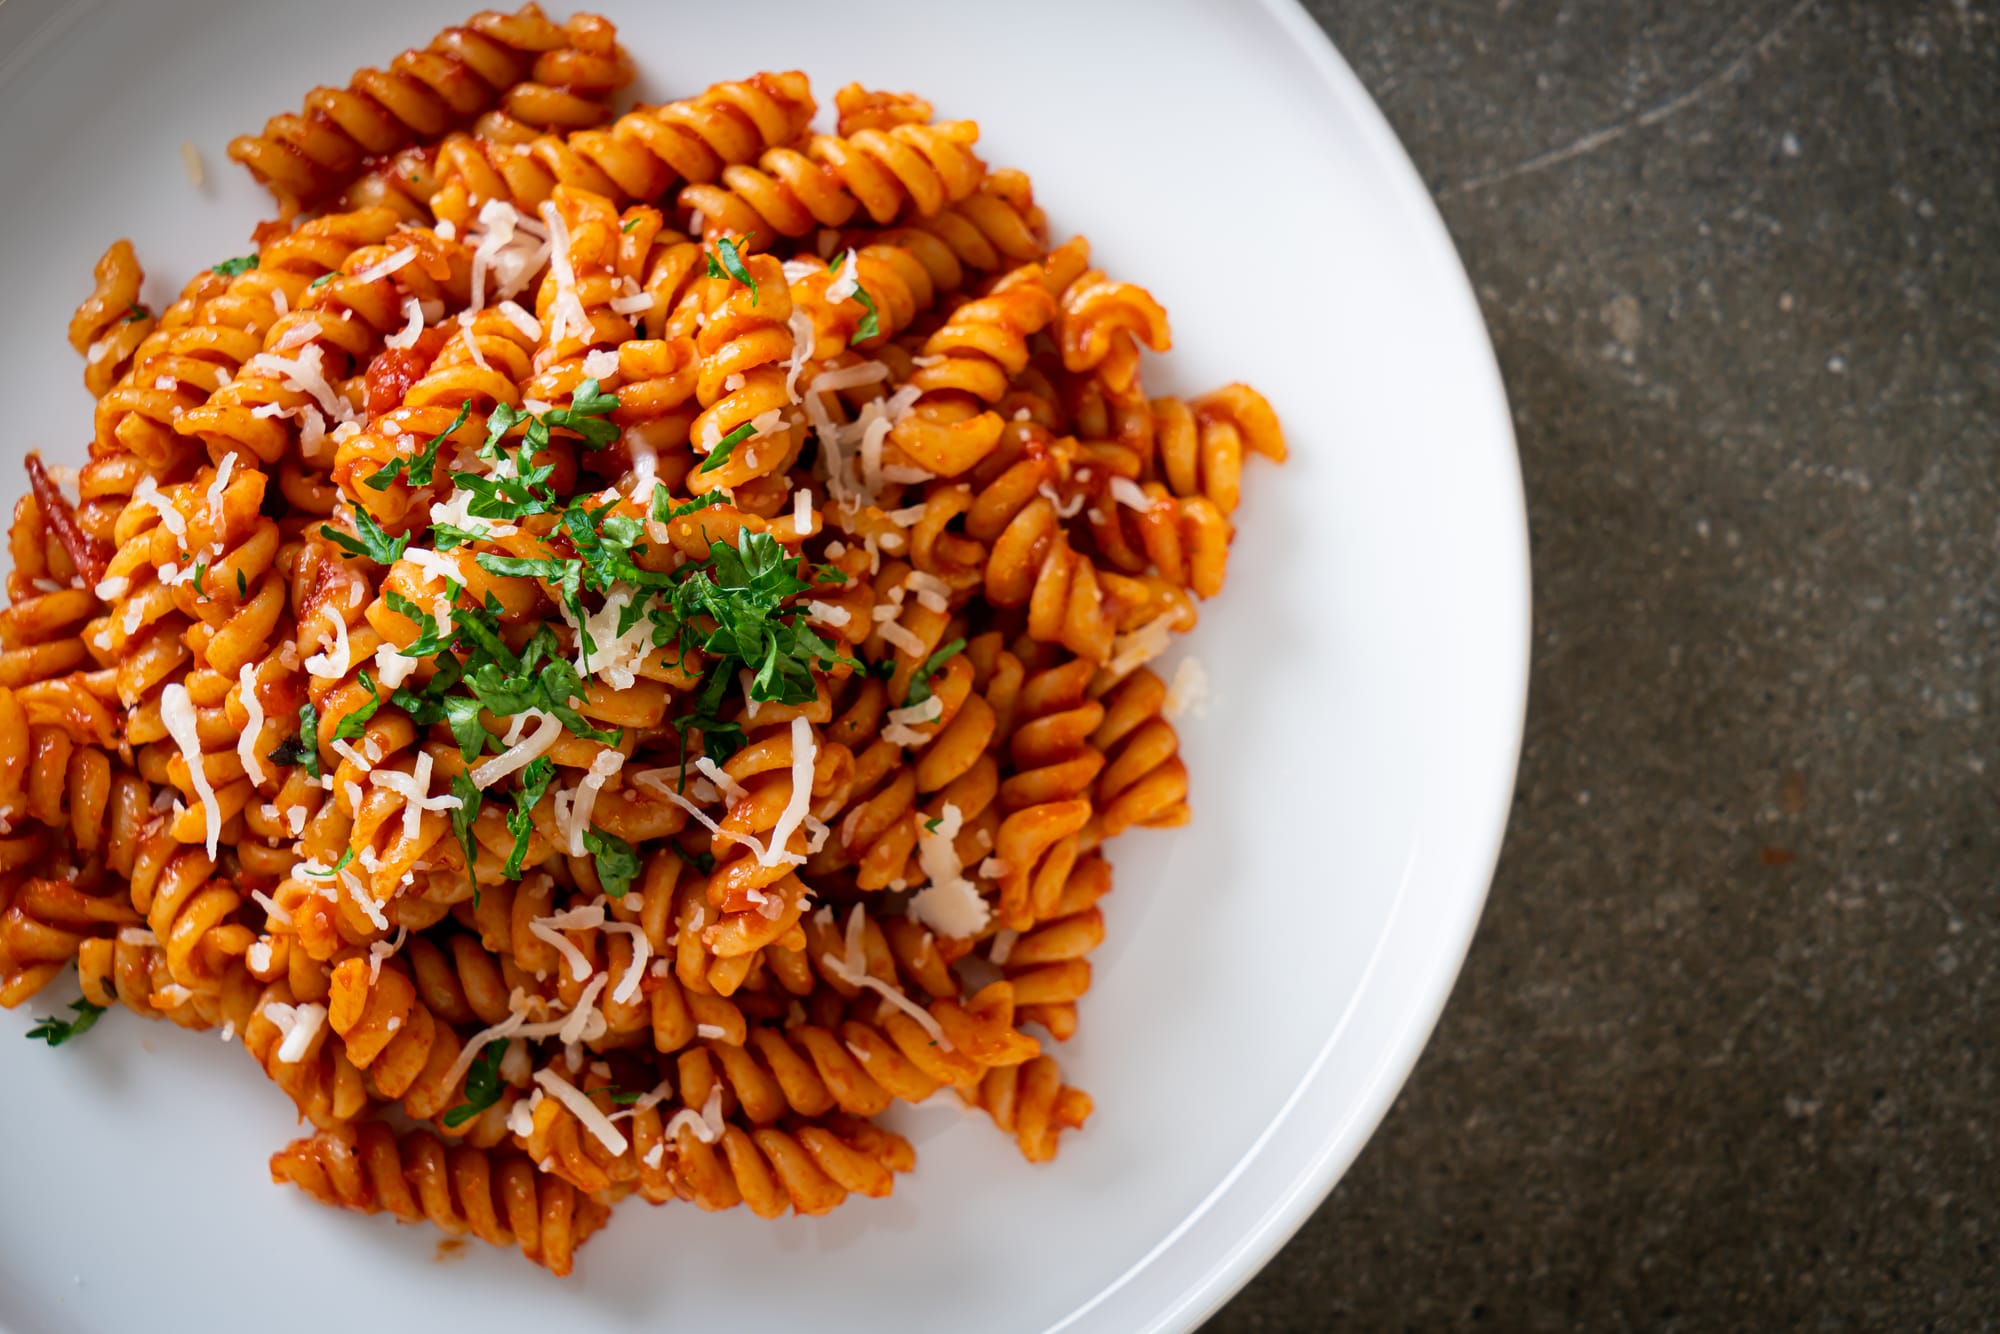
point(496, 1196)
point(637, 158)
point(525, 71)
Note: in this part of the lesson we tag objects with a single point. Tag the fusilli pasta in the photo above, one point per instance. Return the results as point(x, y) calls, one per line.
point(617, 640)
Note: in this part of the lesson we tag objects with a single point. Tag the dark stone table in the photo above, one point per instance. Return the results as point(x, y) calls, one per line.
point(1726, 1053)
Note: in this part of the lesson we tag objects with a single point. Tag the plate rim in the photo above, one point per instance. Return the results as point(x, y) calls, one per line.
point(1211, 1288)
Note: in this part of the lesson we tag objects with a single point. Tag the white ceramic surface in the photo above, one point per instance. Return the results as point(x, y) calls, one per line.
point(1271, 971)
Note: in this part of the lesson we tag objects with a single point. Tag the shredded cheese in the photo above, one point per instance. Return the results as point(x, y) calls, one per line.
point(1187, 693)
point(950, 905)
point(580, 1105)
point(253, 727)
point(177, 712)
point(519, 753)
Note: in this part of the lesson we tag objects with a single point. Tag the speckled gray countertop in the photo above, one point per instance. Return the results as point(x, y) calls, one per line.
point(1726, 1052)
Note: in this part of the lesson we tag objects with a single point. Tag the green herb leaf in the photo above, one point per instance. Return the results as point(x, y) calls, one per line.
point(242, 585)
point(617, 864)
point(933, 823)
point(230, 268)
point(370, 544)
point(470, 799)
point(535, 780)
point(322, 280)
point(354, 724)
point(587, 415)
point(829, 574)
point(304, 748)
point(482, 1084)
point(666, 511)
point(870, 324)
point(630, 223)
point(727, 446)
point(200, 575)
point(626, 1097)
point(56, 1031)
point(732, 265)
point(920, 680)
point(423, 463)
point(134, 312)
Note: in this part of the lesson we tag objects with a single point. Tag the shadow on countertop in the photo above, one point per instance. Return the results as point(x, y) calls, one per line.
point(1726, 1052)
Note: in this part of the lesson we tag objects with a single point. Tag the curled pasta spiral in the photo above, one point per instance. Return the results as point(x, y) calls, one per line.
point(110, 324)
point(969, 362)
point(638, 157)
point(1049, 965)
point(1054, 765)
point(540, 75)
point(914, 168)
point(1031, 1103)
point(495, 1195)
point(810, 1167)
point(1201, 445)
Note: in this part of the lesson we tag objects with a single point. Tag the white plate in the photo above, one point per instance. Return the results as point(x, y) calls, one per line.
point(1271, 971)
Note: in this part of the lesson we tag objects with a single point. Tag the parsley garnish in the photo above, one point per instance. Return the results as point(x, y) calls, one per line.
point(55, 1031)
point(134, 312)
point(201, 573)
point(830, 574)
point(304, 748)
point(625, 1097)
point(354, 724)
point(535, 780)
point(470, 798)
point(371, 543)
point(587, 414)
point(336, 868)
point(666, 511)
point(482, 1084)
point(421, 464)
point(617, 863)
point(727, 446)
point(701, 861)
point(242, 585)
point(920, 680)
point(870, 325)
point(732, 265)
point(630, 223)
point(230, 268)
point(933, 823)
point(323, 279)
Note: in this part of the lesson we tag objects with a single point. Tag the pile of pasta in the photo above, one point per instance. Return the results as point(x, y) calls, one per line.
point(606, 652)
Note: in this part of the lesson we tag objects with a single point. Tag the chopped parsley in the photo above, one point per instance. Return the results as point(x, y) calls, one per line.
point(535, 780)
point(617, 863)
point(920, 679)
point(588, 414)
point(56, 1031)
point(370, 542)
point(134, 312)
point(323, 279)
point(354, 724)
point(482, 1084)
point(727, 446)
point(870, 324)
point(470, 799)
point(732, 265)
point(423, 463)
point(304, 748)
point(630, 223)
point(625, 1097)
point(230, 268)
point(933, 823)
